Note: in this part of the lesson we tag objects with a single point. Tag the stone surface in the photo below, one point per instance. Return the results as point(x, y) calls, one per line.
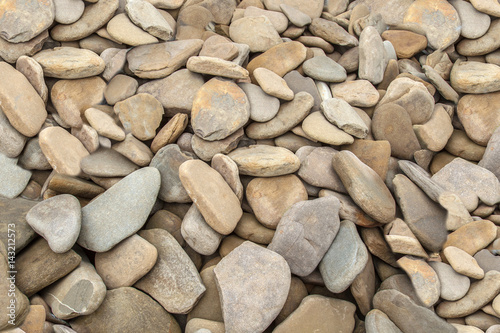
point(134, 150)
point(324, 69)
point(251, 229)
point(220, 108)
point(436, 132)
point(483, 231)
point(406, 43)
point(372, 60)
point(278, 19)
point(34, 73)
point(262, 106)
point(244, 310)
point(317, 127)
point(487, 261)
point(68, 11)
point(198, 234)
point(206, 150)
point(127, 309)
point(104, 124)
point(454, 286)
point(472, 77)
point(345, 259)
point(214, 198)
point(281, 58)
point(256, 31)
point(463, 263)
point(375, 154)
point(13, 178)
point(107, 162)
point(423, 278)
point(332, 32)
point(13, 211)
point(341, 114)
point(145, 15)
point(304, 241)
point(377, 322)
point(272, 84)
point(360, 93)
point(402, 240)
point(217, 67)
point(316, 169)
point(485, 44)
point(170, 132)
point(11, 52)
point(119, 88)
point(474, 23)
point(122, 29)
point(130, 200)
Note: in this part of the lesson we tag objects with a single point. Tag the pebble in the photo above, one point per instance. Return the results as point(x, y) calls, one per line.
point(104, 124)
point(219, 47)
point(372, 60)
point(332, 32)
point(441, 85)
point(272, 84)
point(263, 107)
point(251, 229)
point(474, 22)
point(454, 286)
point(463, 263)
point(316, 169)
point(317, 127)
point(424, 279)
point(298, 83)
point(324, 69)
point(119, 88)
point(484, 44)
point(297, 17)
point(198, 234)
point(11, 52)
point(406, 43)
point(123, 303)
point(484, 232)
point(360, 93)
point(206, 150)
point(257, 32)
point(173, 281)
point(340, 113)
point(487, 261)
point(68, 11)
point(247, 268)
point(145, 15)
point(34, 73)
point(471, 77)
point(228, 169)
point(488, 160)
point(69, 63)
point(278, 19)
point(312, 8)
point(208, 307)
point(217, 67)
point(402, 240)
point(58, 220)
point(375, 154)
point(15, 210)
point(106, 162)
point(120, 211)
point(13, 179)
point(134, 150)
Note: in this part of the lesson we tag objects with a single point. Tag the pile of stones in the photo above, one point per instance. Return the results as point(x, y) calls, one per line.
point(250, 166)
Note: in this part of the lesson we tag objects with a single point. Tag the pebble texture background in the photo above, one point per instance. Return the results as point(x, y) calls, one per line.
point(249, 166)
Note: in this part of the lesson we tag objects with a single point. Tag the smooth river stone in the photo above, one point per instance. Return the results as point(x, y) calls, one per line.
point(317, 127)
point(290, 114)
point(265, 161)
point(472, 77)
point(120, 211)
point(377, 322)
point(271, 197)
point(423, 278)
point(262, 106)
point(174, 280)
point(483, 45)
point(58, 220)
point(332, 32)
point(206, 150)
point(305, 232)
point(473, 237)
point(323, 68)
point(127, 310)
point(146, 16)
point(13, 179)
point(216, 67)
point(474, 23)
point(345, 259)
point(480, 294)
point(212, 195)
point(340, 113)
point(220, 108)
point(13, 211)
point(107, 162)
point(365, 187)
point(256, 31)
point(198, 234)
point(316, 169)
point(123, 30)
point(20, 102)
point(360, 93)
point(69, 63)
point(372, 59)
point(239, 275)
point(463, 263)
point(454, 286)
point(94, 17)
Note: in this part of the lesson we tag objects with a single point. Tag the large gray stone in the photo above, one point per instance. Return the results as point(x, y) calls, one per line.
point(13, 178)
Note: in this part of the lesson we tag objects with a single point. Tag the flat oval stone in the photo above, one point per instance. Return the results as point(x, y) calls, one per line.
point(206, 150)
point(198, 234)
point(212, 195)
point(94, 17)
point(21, 21)
point(324, 69)
point(208, 307)
point(278, 161)
point(484, 232)
point(120, 211)
point(273, 84)
point(345, 259)
point(174, 280)
point(474, 23)
point(372, 60)
point(11, 52)
point(262, 106)
point(316, 169)
point(454, 286)
point(247, 268)
point(58, 220)
point(140, 114)
point(104, 124)
point(256, 31)
point(146, 16)
point(217, 67)
point(271, 197)
point(220, 108)
point(406, 43)
point(365, 187)
point(34, 73)
point(63, 151)
point(20, 102)
point(126, 263)
point(123, 30)
point(69, 63)
point(463, 263)
point(319, 128)
point(251, 229)
point(423, 278)
point(107, 162)
point(123, 303)
point(14, 211)
point(170, 132)
point(332, 32)
point(68, 11)
point(11, 141)
point(341, 114)
point(290, 114)
point(483, 45)
point(377, 322)
point(471, 77)
point(305, 233)
point(480, 293)
point(360, 93)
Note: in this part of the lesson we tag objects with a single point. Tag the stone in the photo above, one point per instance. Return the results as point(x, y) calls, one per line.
point(192, 21)
point(134, 150)
point(126, 263)
point(11, 52)
point(360, 93)
point(133, 197)
point(372, 62)
point(345, 259)
point(364, 286)
point(316, 169)
point(228, 169)
point(377, 322)
point(480, 293)
point(163, 219)
point(363, 185)
point(471, 77)
point(484, 232)
point(318, 313)
point(293, 226)
point(69, 63)
point(375, 154)
point(21, 21)
point(413, 96)
point(423, 278)
point(70, 102)
point(269, 273)
point(119, 88)
point(13, 212)
point(170, 132)
point(38, 266)
point(470, 182)
point(213, 101)
point(487, 7)
point(107, 162)
point(341, 114)
point(122, 29)
point(140, 114)
point(263, 107)
point(319, 128)
point(58, 220)
point(487, 261)
point(402, 283)
point(145, 15)
point(298, 83)
point(407, 315)
point(156, 61)
point(173, 281)
point(216, 67)
point(428, 224)
point(198, 325)
point(278, 19)
point(214, 198)
point(324, 69)
point(219, 47)
point(251, 229)
point(297, 17)
point(25, 112)
point(296, 294)
point(482, 320)
point(13, 179)
point(484, 44)
point(168, 160)
point(474, 23)
point(208, 307)
point(94, 16)
point(289, 115)
point(104, 124)
point(198, 234)
point(463, 263)
point(350, 211)
point(436, 132)
point(441, 85)
point(79, 293)
point(478, 116)
point(206, 150)
point(294, 142)
point(312, 9)
point(279, 161)
point(63, 151)
point(332, 32)
point(68, 11)
point(402, 240)
point(256, 31)
point(114, 59)
point(34, 73)
point(272, 84)
point(406, 43)
point(454, 286)
point(123, 303)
